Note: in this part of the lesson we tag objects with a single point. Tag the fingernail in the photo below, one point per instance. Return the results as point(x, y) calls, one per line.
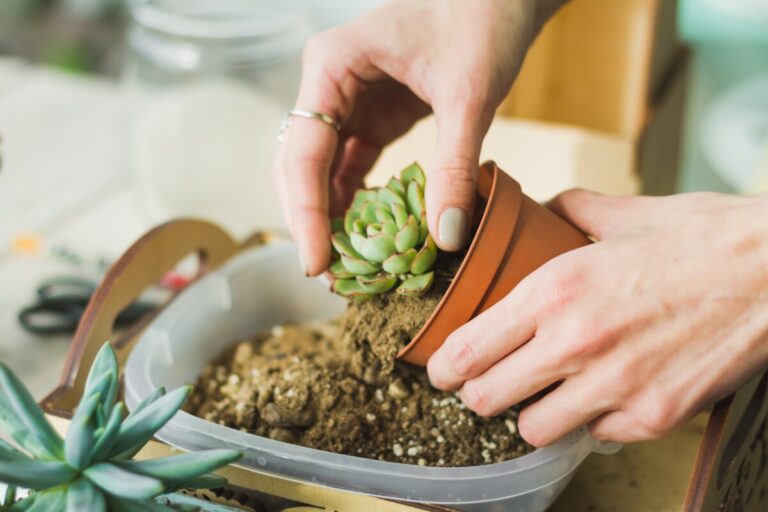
point(452, 228)
point(303, 265)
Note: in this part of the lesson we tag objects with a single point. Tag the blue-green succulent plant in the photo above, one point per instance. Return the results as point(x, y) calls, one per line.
point(92, 469)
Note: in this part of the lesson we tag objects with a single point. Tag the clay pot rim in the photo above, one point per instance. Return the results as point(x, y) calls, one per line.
point(482, 229)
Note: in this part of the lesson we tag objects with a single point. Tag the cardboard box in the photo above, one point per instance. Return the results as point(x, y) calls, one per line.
point(598, 104)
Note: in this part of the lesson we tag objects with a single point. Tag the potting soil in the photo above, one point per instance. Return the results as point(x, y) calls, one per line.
point(336, 386)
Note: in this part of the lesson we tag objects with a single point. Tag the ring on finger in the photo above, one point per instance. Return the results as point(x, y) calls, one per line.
point(296, 112)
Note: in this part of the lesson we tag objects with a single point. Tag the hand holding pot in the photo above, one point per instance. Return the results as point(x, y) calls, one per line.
point(380, 74)
point(666, 313)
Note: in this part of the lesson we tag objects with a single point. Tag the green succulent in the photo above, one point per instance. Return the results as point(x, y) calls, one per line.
point(92, 469)
point(383, 242)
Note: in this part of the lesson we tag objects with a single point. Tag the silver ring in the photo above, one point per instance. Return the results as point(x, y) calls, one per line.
point(325, 118)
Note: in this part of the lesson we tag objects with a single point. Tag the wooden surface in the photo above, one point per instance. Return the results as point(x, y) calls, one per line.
point(544, 158)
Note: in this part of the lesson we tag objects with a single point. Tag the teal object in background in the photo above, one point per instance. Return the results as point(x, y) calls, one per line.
point(731, 21)
point(729, 39)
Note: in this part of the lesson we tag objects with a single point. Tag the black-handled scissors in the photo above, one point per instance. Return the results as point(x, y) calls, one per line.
point(61, 302)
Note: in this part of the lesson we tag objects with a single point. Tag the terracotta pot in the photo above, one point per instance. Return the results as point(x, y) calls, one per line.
point(515, 236)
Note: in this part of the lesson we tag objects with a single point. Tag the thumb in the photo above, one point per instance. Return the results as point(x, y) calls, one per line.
point(593, 213)
point(451, 187)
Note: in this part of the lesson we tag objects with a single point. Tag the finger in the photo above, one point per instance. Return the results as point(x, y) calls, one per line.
point(523, 373)
point(593, 213)
point(571, 405)
point(308, 156)
point(450, 194)
point(619, 427)
point(328, 87)
point(476, 346)
point(278, 181)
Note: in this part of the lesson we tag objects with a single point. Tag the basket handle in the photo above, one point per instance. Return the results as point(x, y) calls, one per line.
point(142, 266)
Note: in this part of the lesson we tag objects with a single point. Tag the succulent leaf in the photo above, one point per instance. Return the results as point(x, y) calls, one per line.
point(357, 239)
point(363, 196)
point(105, 362)
point(177, 469)
point(425, 258)
point(416, 285)
point(378, 248)
point(386, 228)
point(415, 199)
point(368, 213)
point(36, 474)
point(401, 215)
point(9, 496)
point(23, 505)
point(414, 172)
point(351, 289)
point(139, 427)
point(9, 453)
point(20, 401)
point(389, 196)
point(389, 227)
point(358, 227)
point(343, 245)
point(339, 271)
point(149, 399)
point(384, 215)
point(372, 230)
point(399, 263)
point(377, 284)
point(119, 482)
point(83, 495)
point(349, 218)
point(50, 500)
point(105, 440)
point(79, 442)
point(408, 237)
point(359, 266)
point(396, 185)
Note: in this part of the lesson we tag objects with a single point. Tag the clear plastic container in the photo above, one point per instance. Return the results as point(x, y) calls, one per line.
point(209, 82)
point(263, 287)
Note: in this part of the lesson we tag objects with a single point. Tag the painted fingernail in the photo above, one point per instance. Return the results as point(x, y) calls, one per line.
point(452, 228)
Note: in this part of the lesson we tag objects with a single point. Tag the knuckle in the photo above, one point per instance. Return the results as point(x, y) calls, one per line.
point(656, 416)
point(456, 173)
point(561, 282)
point(529, 431)
point(463, 358)
point(476, 398)
point(319, 47)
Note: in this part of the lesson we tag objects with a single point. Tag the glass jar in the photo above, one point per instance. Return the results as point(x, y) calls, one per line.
point(209, 83)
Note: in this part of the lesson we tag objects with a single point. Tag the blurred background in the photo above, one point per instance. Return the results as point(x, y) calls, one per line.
point(116, 115)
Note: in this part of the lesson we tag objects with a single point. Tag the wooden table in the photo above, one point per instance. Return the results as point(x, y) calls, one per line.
point(65, 179)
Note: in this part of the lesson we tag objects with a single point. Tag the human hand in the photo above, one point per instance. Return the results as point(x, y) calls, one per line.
point(665, 314)
point(378, 76)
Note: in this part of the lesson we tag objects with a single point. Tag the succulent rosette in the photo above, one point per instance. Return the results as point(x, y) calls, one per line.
point(91, 469)
point(383, 243)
